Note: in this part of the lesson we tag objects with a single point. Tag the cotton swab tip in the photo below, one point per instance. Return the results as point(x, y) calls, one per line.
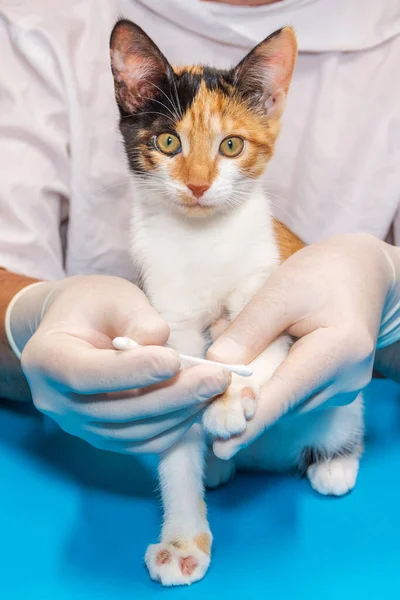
point(124, 343)
point(241, 370)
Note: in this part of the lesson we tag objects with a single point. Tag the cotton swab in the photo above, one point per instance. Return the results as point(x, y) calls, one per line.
point(126, 343)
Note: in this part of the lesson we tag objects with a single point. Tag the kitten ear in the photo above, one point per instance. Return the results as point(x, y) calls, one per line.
point(264, 75)
point(138, 66)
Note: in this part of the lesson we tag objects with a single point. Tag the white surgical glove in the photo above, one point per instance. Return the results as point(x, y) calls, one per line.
point(339, 298)
point(131, 402)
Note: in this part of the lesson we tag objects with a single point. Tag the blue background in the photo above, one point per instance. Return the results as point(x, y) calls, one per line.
point(75, 522)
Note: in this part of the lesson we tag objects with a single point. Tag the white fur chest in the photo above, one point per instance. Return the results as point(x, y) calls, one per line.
point(190, 266)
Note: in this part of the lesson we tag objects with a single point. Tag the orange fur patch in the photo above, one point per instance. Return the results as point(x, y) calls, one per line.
point(203, 542)
point(202, 508)
point(163, 557)
point(179, 545)
point(193, 69)
point(212, 117)
point(288, 242)
point(248, 392)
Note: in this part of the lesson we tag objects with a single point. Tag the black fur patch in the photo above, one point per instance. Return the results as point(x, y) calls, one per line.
point(311, 456)
point(161, 113)
point(171, 94)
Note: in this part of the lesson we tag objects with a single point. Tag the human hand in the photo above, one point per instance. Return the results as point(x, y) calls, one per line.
point(131, 402)
point(331, 297)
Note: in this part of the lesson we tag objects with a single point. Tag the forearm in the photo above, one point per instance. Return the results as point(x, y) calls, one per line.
point(13, 384)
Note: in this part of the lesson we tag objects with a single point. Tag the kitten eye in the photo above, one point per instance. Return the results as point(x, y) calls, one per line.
point(231, 146)
point(168, 143)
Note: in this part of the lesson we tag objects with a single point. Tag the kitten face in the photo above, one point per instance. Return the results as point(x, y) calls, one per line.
point(196, 138)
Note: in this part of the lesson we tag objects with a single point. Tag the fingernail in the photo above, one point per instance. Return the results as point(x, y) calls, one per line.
point(227, 350)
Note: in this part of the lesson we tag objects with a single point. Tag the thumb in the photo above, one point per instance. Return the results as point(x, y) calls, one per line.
point(266, 316)
point(107, 305)
point(140, 321)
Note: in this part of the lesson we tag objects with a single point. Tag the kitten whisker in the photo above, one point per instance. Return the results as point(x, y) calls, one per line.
point(279, 207)
point(115, 185)
point(151, 112)
point(177, 97)
point(167, 97)
point(158, 102)
point(274, 182)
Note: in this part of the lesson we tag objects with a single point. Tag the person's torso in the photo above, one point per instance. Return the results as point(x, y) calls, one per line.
point(337, 163)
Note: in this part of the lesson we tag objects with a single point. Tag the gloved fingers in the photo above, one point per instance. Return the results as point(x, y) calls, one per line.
point(104, 306)
point(152, 445)
point(142, 429)
point(133, 316)
point(310, 366)
point(190, 387)
point(267, 315)
point(218, 328)
point(76, 365)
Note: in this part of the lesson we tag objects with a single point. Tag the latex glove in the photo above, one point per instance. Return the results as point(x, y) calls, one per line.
point(333, 297)
point(133, 401)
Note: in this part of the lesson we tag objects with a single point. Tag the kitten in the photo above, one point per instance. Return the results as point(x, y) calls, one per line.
point(197, 141)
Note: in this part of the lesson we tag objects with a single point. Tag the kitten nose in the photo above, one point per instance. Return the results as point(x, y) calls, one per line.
point(198, 190)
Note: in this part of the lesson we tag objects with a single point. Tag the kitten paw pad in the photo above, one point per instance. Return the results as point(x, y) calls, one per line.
point(334, 478)
point(188, 565)
point(163, 557)
point(222, 420)
point(228, 414)
point(249, 402)
point(177, 563)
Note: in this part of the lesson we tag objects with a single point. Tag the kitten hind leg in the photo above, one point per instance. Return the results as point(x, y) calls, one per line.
point(334, 477)
point(333, 469)
point(183, 554)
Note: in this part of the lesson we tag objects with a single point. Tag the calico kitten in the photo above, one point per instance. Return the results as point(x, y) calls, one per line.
point(197, 141)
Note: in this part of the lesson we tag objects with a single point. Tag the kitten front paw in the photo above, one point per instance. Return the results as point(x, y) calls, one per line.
point(228, 414)
point(179, 563)
point(335, 477)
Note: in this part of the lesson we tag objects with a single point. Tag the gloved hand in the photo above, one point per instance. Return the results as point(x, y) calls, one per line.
point(336, 297)
point(130, 402)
